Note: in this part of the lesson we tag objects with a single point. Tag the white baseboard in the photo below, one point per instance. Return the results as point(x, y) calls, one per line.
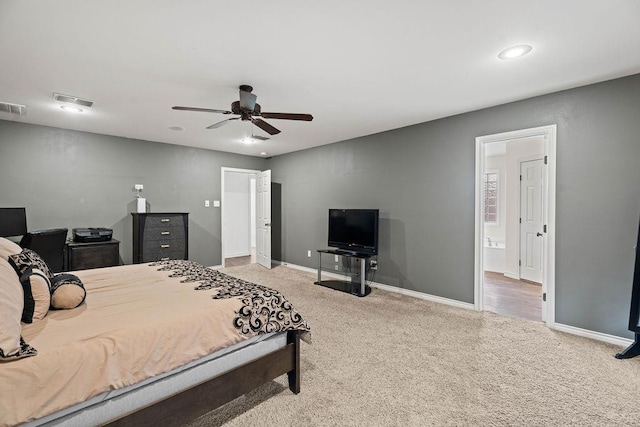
point(216, 267)
point(424, 296)
point(599, 336)
point(389, 288)
point(511, 275)
point(237, 254)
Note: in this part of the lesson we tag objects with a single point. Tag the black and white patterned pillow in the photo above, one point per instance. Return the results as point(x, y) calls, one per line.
point(37, 295)
point(67, 291)
point(25, 350)
point(28, 258)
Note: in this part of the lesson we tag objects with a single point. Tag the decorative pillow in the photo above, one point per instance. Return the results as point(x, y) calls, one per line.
point(28, 258)
point(12, 346)
point(7, 247)
point(67, 291)
point(37, 295)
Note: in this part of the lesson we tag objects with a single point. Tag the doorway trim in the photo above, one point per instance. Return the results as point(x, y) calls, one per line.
point(549, 133)
point(223, 170)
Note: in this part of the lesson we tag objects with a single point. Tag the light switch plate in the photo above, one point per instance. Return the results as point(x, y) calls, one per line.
point(216, 203)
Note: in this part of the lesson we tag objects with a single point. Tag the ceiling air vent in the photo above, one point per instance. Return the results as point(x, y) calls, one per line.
point(17, 109)
point(72, 99)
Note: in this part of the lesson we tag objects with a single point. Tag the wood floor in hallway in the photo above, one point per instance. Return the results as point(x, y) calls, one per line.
point(241, 260)
point(510, 297)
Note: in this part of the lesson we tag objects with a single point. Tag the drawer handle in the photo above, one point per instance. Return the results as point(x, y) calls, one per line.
point(165, 233)
point(165, 220)
point(164, 259)
point(164, 246)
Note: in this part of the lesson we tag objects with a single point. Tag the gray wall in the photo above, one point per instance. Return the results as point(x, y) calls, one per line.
point(73, 179)
point(422, 180)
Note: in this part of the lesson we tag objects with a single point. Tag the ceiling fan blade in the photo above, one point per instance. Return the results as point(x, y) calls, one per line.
point(222, 123)
point(288, 116)
point(247, 100)
point(265, 126)
point(203, 110)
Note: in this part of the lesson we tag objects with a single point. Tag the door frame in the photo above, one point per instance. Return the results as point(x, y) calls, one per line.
point(549, 133)
point(224, 169)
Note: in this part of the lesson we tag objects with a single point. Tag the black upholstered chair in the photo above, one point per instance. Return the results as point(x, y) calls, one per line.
point(49, 244)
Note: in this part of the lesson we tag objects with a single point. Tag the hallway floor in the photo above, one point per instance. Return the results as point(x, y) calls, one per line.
point(510, 297)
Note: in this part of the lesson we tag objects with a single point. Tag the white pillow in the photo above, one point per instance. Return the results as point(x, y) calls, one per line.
point(7, 247)
point(11, 304)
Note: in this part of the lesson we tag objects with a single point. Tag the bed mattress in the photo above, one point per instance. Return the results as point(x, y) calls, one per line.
point(137, 323)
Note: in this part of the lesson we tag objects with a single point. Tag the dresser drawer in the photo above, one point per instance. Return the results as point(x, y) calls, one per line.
point(163, 234)
point(164, 221)
point(162, 256)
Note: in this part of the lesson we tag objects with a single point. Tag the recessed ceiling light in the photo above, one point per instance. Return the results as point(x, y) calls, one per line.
point(263, 153)
point(71, 109)
point(515, 52)
point(176, 128)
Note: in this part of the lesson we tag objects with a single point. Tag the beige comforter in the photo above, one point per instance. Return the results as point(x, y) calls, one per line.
point(136, 323)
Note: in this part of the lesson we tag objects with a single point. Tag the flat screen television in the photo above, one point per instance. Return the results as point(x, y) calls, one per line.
point(354, 230)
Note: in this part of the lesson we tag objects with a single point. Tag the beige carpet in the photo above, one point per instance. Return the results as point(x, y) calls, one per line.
point(390, 360)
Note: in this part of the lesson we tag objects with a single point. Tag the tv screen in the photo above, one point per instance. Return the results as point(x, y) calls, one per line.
point(354, 230)
point(13, 222)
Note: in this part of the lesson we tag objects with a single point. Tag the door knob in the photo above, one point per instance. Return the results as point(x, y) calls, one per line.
point(539, 234)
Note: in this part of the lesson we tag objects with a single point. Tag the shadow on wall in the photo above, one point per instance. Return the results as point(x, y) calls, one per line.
point(123, 231)
point(204, 247)
point(392, 245)
point(276, 221)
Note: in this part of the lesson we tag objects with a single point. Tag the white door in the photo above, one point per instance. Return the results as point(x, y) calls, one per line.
point(263, 220)
point(531, 220)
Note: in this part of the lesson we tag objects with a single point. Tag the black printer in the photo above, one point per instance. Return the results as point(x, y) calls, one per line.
point(85, 235)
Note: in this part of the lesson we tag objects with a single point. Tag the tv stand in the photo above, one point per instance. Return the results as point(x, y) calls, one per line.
point(357, 285)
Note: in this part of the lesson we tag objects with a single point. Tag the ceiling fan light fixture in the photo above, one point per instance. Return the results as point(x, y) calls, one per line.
point(514, 52)
point(71, 109)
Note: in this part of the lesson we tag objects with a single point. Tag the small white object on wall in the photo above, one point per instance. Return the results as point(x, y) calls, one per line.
point(141, 205)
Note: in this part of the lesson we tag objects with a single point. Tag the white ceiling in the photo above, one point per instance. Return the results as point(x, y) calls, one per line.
point(359, 66)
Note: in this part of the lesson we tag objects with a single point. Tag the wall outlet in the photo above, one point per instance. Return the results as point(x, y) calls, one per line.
point(138, 187)
point(335, 267)
point(335, 258)
point(373, 264)
point(309, 254)
point(207, 203)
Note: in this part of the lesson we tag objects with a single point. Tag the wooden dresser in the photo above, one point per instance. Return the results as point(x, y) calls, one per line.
point(160, 236)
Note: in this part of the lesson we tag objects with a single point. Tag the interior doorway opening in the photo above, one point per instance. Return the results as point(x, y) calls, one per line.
point(515, 223)
point(238, 216)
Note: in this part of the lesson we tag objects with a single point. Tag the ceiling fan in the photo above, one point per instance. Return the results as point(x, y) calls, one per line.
point(248, 110)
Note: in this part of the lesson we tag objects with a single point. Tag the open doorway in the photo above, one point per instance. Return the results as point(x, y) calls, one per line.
point(515, 216)
point(238, 214)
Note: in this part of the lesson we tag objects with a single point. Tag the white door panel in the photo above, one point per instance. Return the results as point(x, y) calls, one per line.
point(531, 220)
point(263, 220)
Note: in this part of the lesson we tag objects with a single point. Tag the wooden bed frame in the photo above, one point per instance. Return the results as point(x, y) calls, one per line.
point(191, 403)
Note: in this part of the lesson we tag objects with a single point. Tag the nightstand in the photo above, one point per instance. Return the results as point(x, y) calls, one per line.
point(83, 256)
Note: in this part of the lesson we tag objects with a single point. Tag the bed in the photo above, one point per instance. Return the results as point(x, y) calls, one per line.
point(152, 343)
